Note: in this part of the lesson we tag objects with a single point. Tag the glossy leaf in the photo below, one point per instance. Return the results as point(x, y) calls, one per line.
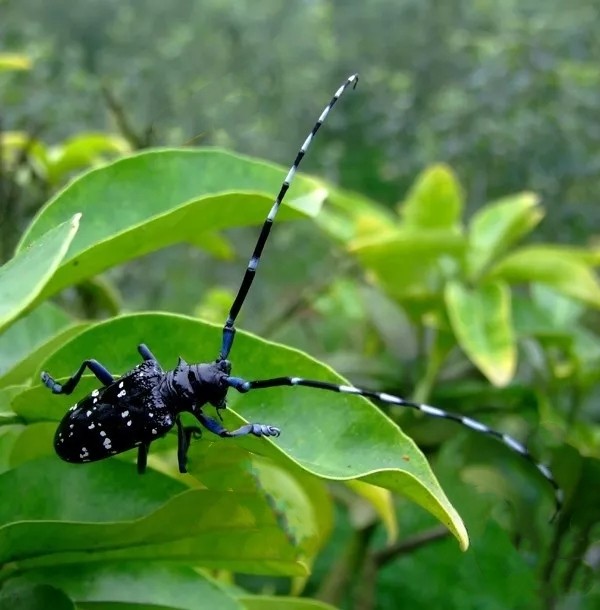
point(136, 583)
point(19, 595)
point(69, 514)
point(482, 322)
point(31, 339)
point(332, 436)
point(499, 225)
point(557, 267)
point(24, 277)
point(294, 509)
point(382, 502)
point(435, 201)
point(157, 198)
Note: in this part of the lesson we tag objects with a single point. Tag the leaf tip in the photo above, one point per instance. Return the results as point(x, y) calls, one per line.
point(75, 220)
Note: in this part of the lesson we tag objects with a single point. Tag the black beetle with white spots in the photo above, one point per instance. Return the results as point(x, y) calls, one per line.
point(145, 403)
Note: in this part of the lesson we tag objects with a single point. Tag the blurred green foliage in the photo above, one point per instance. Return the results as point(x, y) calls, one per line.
point(450, 289)
point(505, 92)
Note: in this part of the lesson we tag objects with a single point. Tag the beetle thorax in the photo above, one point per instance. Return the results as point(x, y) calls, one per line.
point(190, 386)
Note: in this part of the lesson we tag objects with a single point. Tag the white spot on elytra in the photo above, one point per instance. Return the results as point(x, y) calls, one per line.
point(95, 400)
point(88, 413)
point(121, 394)
point(95, 392)
point(125, 413)
point(168, 421)
point(102, 433)
point(153, 430)
point(129, 422)
point(71, 426)
point(107, 443)
point(91, 426)
point(150, 414)
point(120, 385)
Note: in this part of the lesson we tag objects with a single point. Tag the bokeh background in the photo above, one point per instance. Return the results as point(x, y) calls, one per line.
point(505, 93)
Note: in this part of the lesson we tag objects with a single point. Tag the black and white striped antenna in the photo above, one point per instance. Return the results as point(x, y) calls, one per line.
point(513, 444)
point(246, 386)
point(229, 328)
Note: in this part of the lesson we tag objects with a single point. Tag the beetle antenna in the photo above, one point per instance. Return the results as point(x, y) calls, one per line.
point(229, 328)
point(246, 386)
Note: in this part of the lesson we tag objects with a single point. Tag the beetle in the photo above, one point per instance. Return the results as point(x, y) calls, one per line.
point(144, 404)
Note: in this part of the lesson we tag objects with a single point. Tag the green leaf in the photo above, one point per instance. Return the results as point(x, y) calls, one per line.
point(31, 339)
point(157, 198)
point(19, 595)
point(482, 322)
point(557, 267)
point(294, 509)
point(367, 445)
point(14, 61)
point(382, 502)
point(435, 201)
point(24, 277)
point(81, 151)
point(9, 434)
point(499, 225)
point(174, 586)
point(409, 262)
point(265, 602)
point(69, 514)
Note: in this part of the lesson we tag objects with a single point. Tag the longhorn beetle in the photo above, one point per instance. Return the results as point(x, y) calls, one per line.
point(145, 403)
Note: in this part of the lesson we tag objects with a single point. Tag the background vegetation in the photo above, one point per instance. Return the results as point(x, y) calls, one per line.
point(456, 267)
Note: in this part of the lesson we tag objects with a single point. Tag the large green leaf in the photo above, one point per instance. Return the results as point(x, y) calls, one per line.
point(19, 595)
point(31, 339)
point(560, 268)
point(69, 514)
point(435, 201)
point(82, 151)
point(136, 583)
point(409, 262)
point(330, 435)
point(157, 198)
point(497, 226)
point(482, 322)
point(24, 277)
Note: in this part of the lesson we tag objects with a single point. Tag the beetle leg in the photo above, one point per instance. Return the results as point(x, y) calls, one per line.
point(100, 371)
point(184, 438)
point(216, 428)
point(142, 458)
point(145, 353)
